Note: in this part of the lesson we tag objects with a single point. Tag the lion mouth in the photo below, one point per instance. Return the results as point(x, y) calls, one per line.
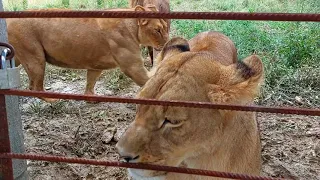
point(138, 174)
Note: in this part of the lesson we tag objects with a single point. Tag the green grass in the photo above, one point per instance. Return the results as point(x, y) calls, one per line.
point(14, 5)
point(290, 50)
point(116, 81)
point(41, 108)
point(287, 50)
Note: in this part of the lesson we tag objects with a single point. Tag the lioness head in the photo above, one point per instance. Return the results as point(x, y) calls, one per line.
point(167, 135)
point(152, 32)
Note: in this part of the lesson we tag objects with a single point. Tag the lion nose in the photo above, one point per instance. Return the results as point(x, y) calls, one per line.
point(126, 156)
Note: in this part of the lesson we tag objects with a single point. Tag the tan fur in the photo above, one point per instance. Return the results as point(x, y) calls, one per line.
point(85, 43)
point(209, 139)
point(217, 43)
point(162, 6)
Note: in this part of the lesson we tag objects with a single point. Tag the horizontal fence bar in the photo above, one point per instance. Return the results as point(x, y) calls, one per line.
point(282, 110)
point(171, 15)
point(133, 165)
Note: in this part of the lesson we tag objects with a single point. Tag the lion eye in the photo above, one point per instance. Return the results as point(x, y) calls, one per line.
point(158, 31)
point(172, 123)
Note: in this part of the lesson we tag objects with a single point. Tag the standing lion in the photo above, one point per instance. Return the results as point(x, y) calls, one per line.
point(162, 6)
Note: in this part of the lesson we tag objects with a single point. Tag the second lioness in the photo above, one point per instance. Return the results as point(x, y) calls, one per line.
point(163, 6)
point(85, 43)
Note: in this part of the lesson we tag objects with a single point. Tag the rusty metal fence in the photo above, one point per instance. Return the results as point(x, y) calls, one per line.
point(5, 153)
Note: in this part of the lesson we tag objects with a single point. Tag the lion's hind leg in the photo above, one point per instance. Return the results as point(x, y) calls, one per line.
point(32, 58)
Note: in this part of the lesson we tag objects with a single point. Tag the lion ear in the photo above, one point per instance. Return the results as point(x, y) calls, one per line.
point(141, 21)
point(173, 46)
point(243, 84)
point(250, 70)
point(139, 8)
point(152, 7)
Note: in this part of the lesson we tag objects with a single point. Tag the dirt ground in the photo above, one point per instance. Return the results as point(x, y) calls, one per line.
point(290, 143)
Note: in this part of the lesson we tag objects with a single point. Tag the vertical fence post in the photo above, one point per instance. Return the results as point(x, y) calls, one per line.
point(11, 134)
point(6, 171)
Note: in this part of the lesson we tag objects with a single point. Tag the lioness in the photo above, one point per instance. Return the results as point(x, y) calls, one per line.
point(209, 139)
point(94, 44)
point(162, 6)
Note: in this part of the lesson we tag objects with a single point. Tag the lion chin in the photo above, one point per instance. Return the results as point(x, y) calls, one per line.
point(138, 174)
